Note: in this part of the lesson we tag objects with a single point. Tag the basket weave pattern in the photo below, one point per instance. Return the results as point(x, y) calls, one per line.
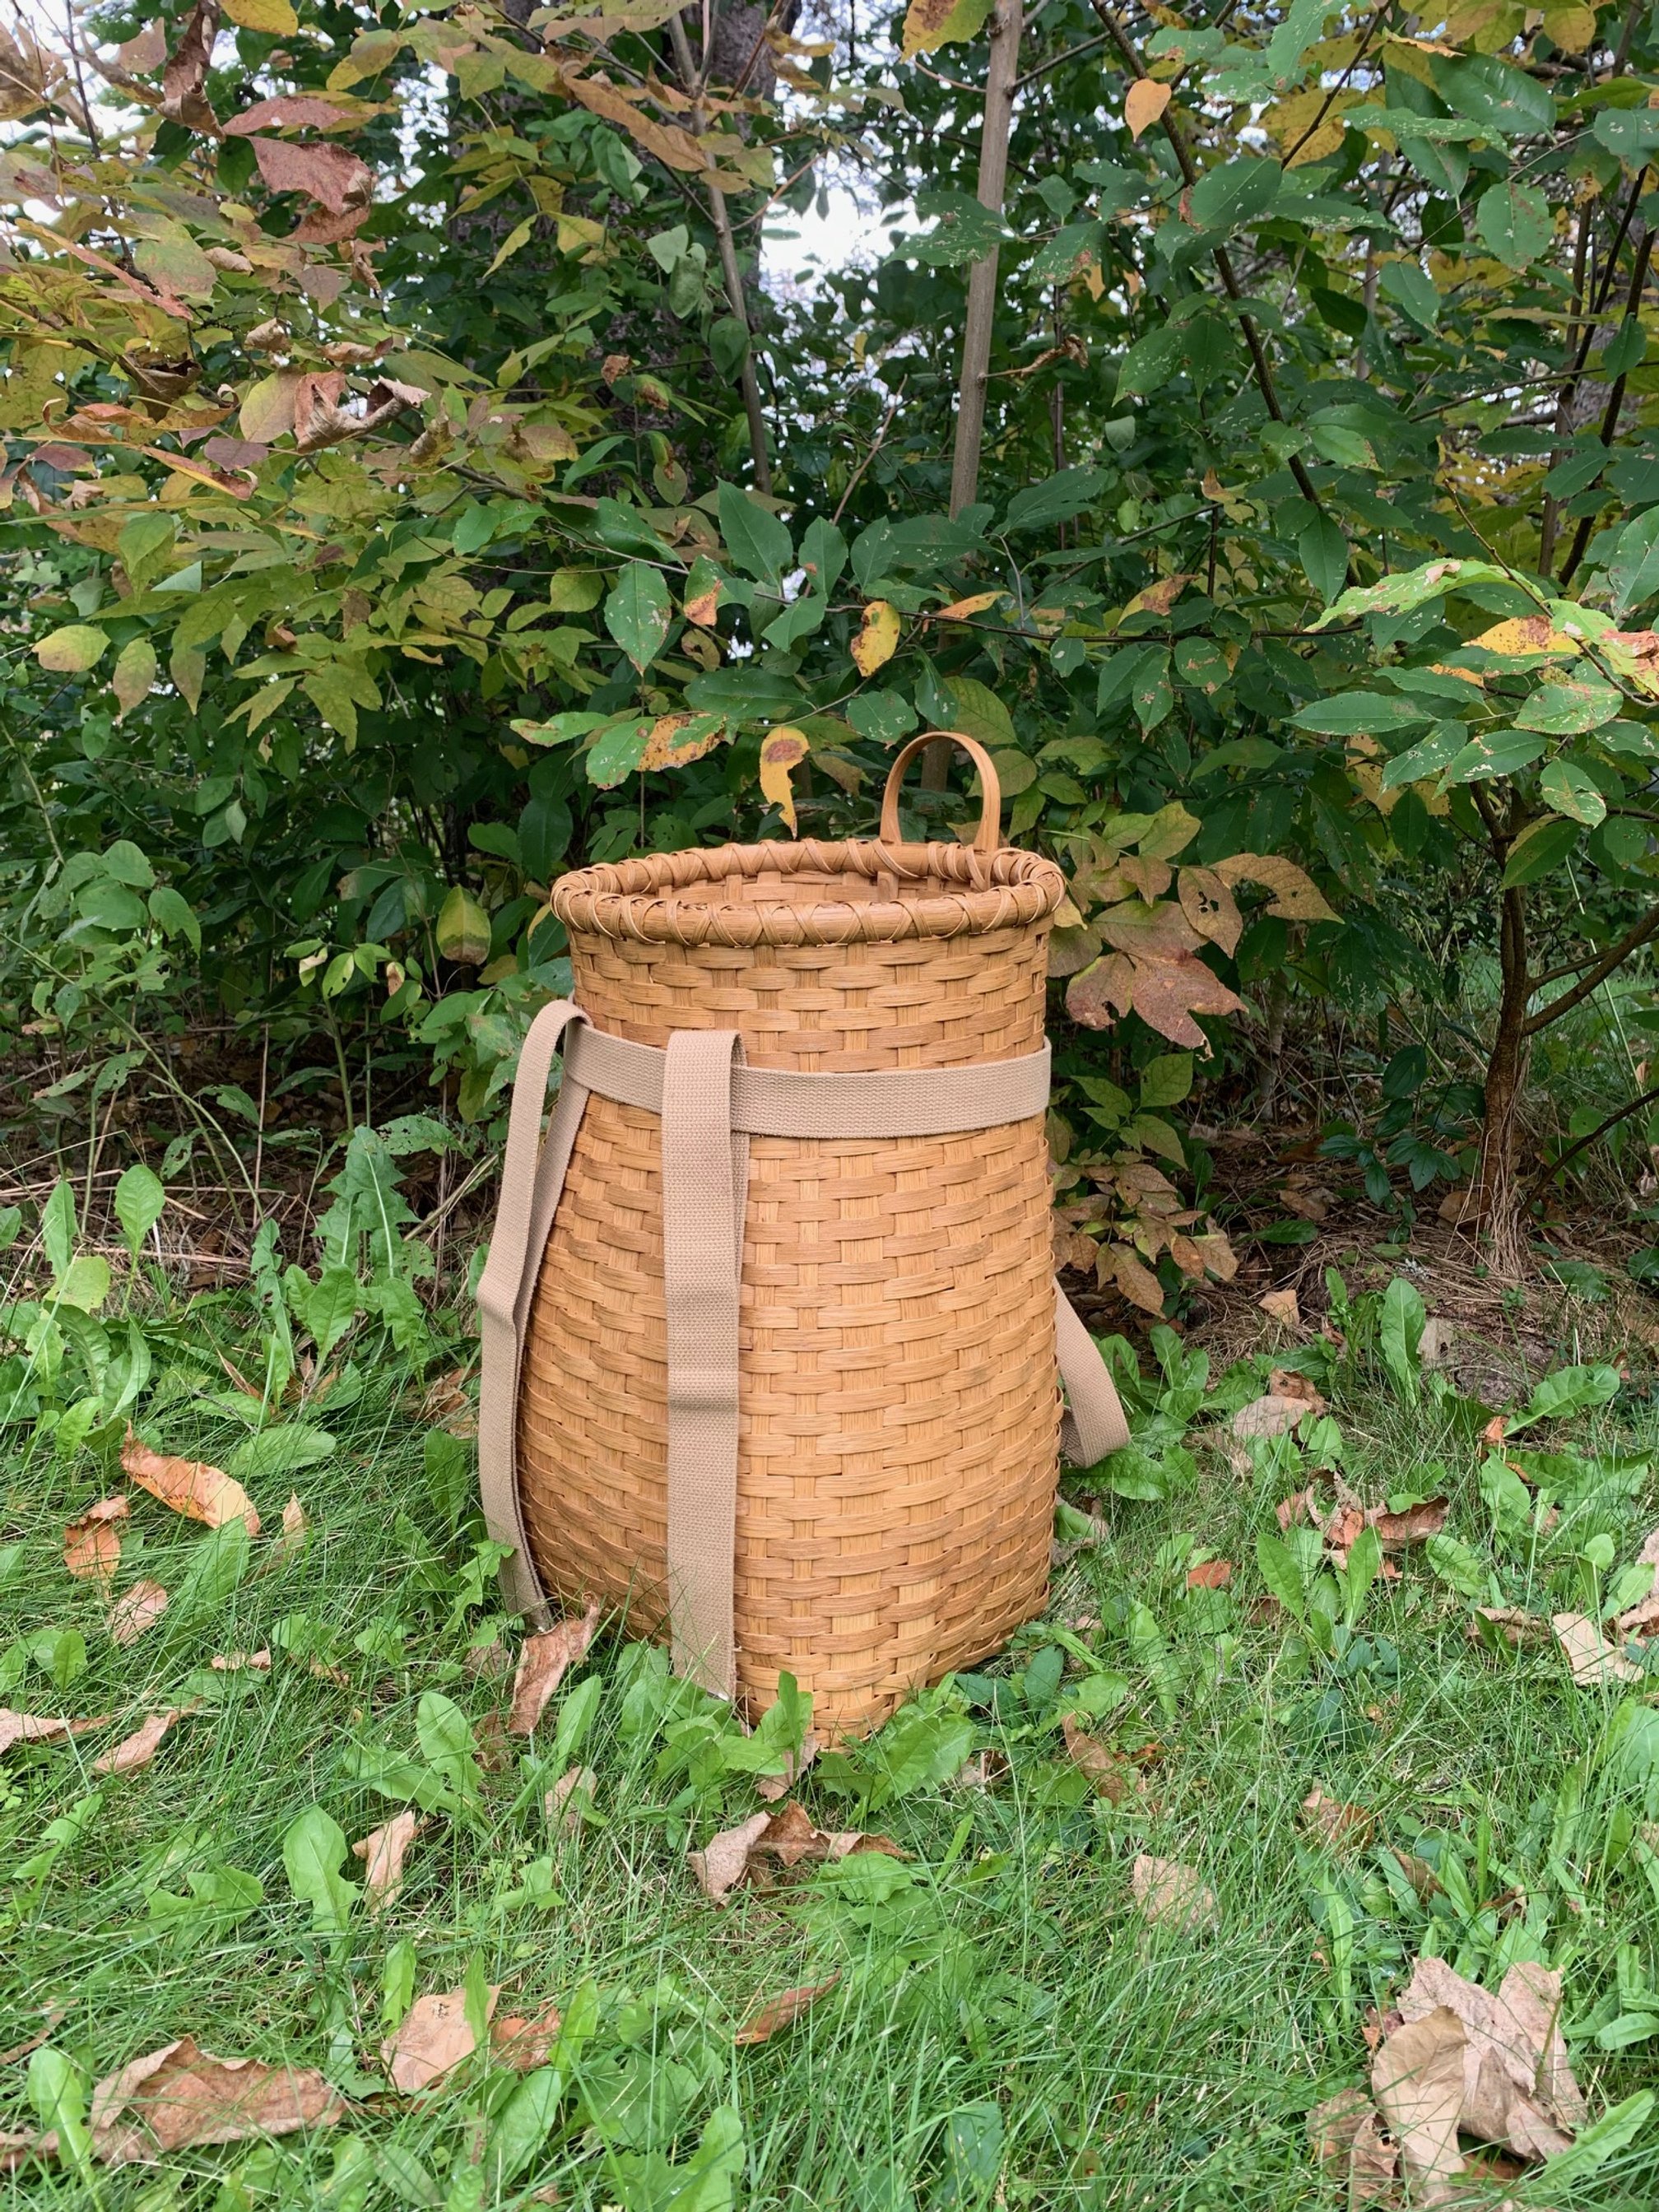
point(899, 1406)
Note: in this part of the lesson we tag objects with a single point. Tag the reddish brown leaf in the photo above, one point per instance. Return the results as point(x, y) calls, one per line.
point(382, 1852)
point(722, 1862)
point(1210, 907)
point(524, 2044)
point(92, 1544)
point(289, 111)
point(138, 1749)
point(136, 1610)
point(1113, 1776)
point(190, 1486)
point(1415, 1526)
point(542, 1665)
point(782, 2011)
point(183, 100)
point(180, 2096)
point(333, 176)
point(1343, 1827)
point(434, 2038)
point(41, 1727)
point(1285, 1383)
point(1209, 1574)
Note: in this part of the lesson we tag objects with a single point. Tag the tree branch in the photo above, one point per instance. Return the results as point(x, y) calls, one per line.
point(1615, 406)
point(1632, 941)
point(1554, 1167)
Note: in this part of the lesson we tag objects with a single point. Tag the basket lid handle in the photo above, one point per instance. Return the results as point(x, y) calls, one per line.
point(987, 838)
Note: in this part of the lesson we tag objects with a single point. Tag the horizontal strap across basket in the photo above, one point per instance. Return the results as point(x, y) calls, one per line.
point(710, 1105)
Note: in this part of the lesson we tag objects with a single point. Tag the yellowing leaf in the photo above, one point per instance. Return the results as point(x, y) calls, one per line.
point(73, 649)
point(1295, 897)
point(462, 929)
point(959, 610)
point(878, 638)
point(1145, 101)
point(785, 749)
point(1524, 633)
point(135, 673)
point(274, 16)
point(930, 24)
point(190, 1486)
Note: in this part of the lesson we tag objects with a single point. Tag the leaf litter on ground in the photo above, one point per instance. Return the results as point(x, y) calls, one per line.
point(138, 1749)
point(1173, 1894)
point(42, 1727)
point(790, 1837)
point(136, 1610)
point(382, 1852)
point(181, 2097)
point(782, 2011)
point(92, 1541)
point(432, 2038)
point(542, 1665)
point(189, 1486)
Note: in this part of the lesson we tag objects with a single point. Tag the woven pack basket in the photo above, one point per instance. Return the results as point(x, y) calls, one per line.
point(772, 1343)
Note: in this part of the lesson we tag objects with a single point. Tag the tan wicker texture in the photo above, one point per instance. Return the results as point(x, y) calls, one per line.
point(899, 1402)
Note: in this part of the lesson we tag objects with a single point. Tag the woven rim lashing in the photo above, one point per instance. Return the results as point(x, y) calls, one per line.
point(810, 893)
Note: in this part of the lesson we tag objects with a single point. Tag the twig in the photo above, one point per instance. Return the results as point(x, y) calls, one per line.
point(880, 439)
point(1554, 1167)
point(1615, 406)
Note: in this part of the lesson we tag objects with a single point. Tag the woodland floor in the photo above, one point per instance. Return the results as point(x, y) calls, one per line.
point(1000, 2019)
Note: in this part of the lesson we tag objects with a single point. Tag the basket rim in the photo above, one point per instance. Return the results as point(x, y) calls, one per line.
point(637, 898)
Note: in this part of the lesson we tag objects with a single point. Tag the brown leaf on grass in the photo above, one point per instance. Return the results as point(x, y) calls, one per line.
point(1285, 1383)
point(382, 1852)
point(136, 1610)
point(524, 2044)
point(92, 1544)
point(1417, 2078)
point(189, 1486)
point(1345, 2135)
point(1515, 2085)
point(1271, 1415)
point(569, 1796)
point(1169, 1892)
point(1282, 1306)
point(791, 1836)
point(1339, 1826)
point(722, 1862)
point(782, 2011)
point(180, 2096)
point(237, 1662)
point(41, 1727)
point(1209, 1574)
point(1112, 1775)
point(433, 2039)
point(1641, 1619)
point(1298, 1506)
point(1513, 1623)
point(982, 1770)
point(543, 1664)
point(138, 1749)
point(772, 1787)
point(296, 1529)
point(1593, 1660)
point(1414, 1526)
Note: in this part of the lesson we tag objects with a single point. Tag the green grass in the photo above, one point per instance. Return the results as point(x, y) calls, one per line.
point(1006, 2029)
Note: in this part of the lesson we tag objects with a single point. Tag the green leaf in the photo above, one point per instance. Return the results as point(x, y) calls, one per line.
point(1360, 713)
point(313, 1851)
point(1565, 787)
point(526, 2120)
point(1058, 498)
point(1281, 1574)
point(134, 675)
point(1234, 192)
point(328, 1307)
point(1427, 758)
point(1541, 848)
point(758, 542)
point(1568, 1390)
point(283, 1451)
point(978, 713)
point(1514, 222)
point(60, 1227)
point(1401, 1333)
point(637, 612)
point(1569, 706)
point(446, 1741)
point(1631, 133)
point(1322, 550)
point(1504, 100)
point(1166, 1080)
point(463, 930)
point(57, 2091)
point(1413, 291)
point(71, 651)
point(1599, 2142)
point(218, 1563)
point(1456, 1564)
point(930, 24)
point(1150, 362)
point(140, 1200)
point(173, 915)
point(617, 751)
point(1494, 753)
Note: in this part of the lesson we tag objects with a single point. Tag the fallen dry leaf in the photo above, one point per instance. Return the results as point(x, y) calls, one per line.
point(1282, 1306)
point(235, 1662)
point(136, 1610)
point(1593, 1660)
point(1167, 1891)
point(40, 1728)
point(983, 1770)
point(180, 2096)
point(189, 1486)
point(1112, 1775)
point(296, 1529)
point(1649, 1554)
point(1342, 1828)
point(722, 1862)
point(54, 2015)
point(1417, 2078)
point(138, 1749)
point(1298, 1506)
point(1209, 1574)
point(782, 2011)
point(524, 2044)
point(1641, 1619)
point(1285, 1383)
point(1345, 2135)
point(1517, 1625)
point(772, 1787)
point(569, 1796)
point(1268, 1416)
point(542, 1666)
point(382, 1852)
point(1516, 2086)
point(1414, 1526)
point(92, 1544)
point(434, 2038)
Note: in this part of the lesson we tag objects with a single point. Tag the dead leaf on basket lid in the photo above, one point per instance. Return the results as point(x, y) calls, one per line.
point(180, 2096)
point(189, 1486)
point(782, 2011)
point(542, 1665)
point(92, 1542)
point(433, 2038)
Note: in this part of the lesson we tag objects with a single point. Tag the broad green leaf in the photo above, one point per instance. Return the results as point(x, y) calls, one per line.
point(463, 930)
point(1281, 1574)
point(1166, 1080)
point(1057, 499)
point(272, 1453)
point(616, 751)
point(1456, 1564)
point(1514, 222)
point(1603, 2140)
point(1567, 788)
point(1568, 707)
point(1494, 753)
point(525, 2121)
point(446, 1741)
point(1360, 713)
point(1633, 133)
point(1234, 192)
point(637, 613)
point(1401, 1333)
point(134, 676)
point(979, 713)
point(1428, 756)
point(930, 24)
point(313, 1851)
point(758, 542)
point(140, 1198)
point(1539, 850)
point(1568, 1390)
point(60, 1227)
point(57, 2091)
point(1322, 550)
point(218, 1563)
point(1407, 284)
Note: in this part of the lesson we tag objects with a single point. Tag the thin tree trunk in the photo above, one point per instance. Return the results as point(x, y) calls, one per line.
point(1494, 1200)
point(1001, 80)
